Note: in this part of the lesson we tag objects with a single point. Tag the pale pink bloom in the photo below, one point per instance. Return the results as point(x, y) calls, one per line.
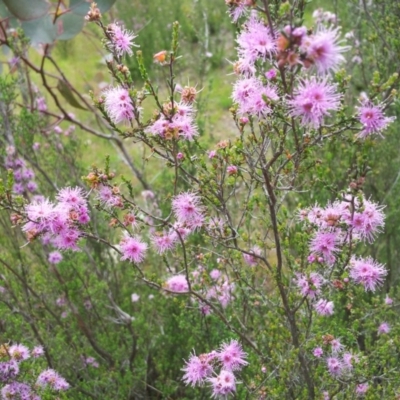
point(187, 207)
point(347, 359)
point(37, 351)
point(55, 257)
point(232, 169)
point(324, 307)
point(325, 244)
point(313, 100)
point(224, 384)
point(121, 40)
point(271, 74)
point(163, 242)
point(384, 328)
point(373, 119)
point(133, 249)
point(335, 366)
point(336, 346)
point(50, 378)
point(212, 154)
point(361, 389)
point(318, 352)
point(41, 104)
point(249, 94)
point(197, 369)
point(368, 220)
point(215, 274)
point(324, 50)
point(388, 301)
point(255, 41)
point(367, 272)
point(19, 352)
point(309, 286)
point(232, 356)
point(252, 259)
point(177, 284)
point(118, 105)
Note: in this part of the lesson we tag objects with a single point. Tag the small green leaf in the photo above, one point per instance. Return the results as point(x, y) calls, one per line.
point(68, 95)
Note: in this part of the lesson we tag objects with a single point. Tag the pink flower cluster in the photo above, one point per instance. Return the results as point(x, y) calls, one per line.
point(50, 378)
point(24, 177)
point(228, 359)
point(252, 96)
point(14, 356)
point(334, 223)
point(221, 288)
point(255, 43)
point(339, 362)
point(59, 223)
point(174, 123)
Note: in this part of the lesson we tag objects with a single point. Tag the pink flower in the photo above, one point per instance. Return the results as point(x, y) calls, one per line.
point(384, 328)
point(121, 40)
point(50, 378)
point(55, 257)
point(336, 346)
point(164, 241)
point(361, 389)
point(271, 74)
point(251, 259)
point(177, 284)
point(373, 120)
point(318, 352)
point(71, 196)
point(187, 208)
point(19, 352)
point(324, 51)
point(133, 249)
point(367, 272)
point(368, 220)
point(212, 154)
point(215, 274)
point(325, 243)
point(37, 351)
point(197, 369)
point(309, 286)
point(388, 301)
point(232, 170)
point(255, 41)
point(335, 366)
point(232, 356)
point(224, 384)
point(313, 100)
point(118, 105)
point(249, 94)
point(324, 307)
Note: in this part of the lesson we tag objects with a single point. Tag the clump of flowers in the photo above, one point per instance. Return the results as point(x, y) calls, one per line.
point(11, 357)
point(175, 122)
point(24, 177)
point(216, 368)
point(60, 223)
